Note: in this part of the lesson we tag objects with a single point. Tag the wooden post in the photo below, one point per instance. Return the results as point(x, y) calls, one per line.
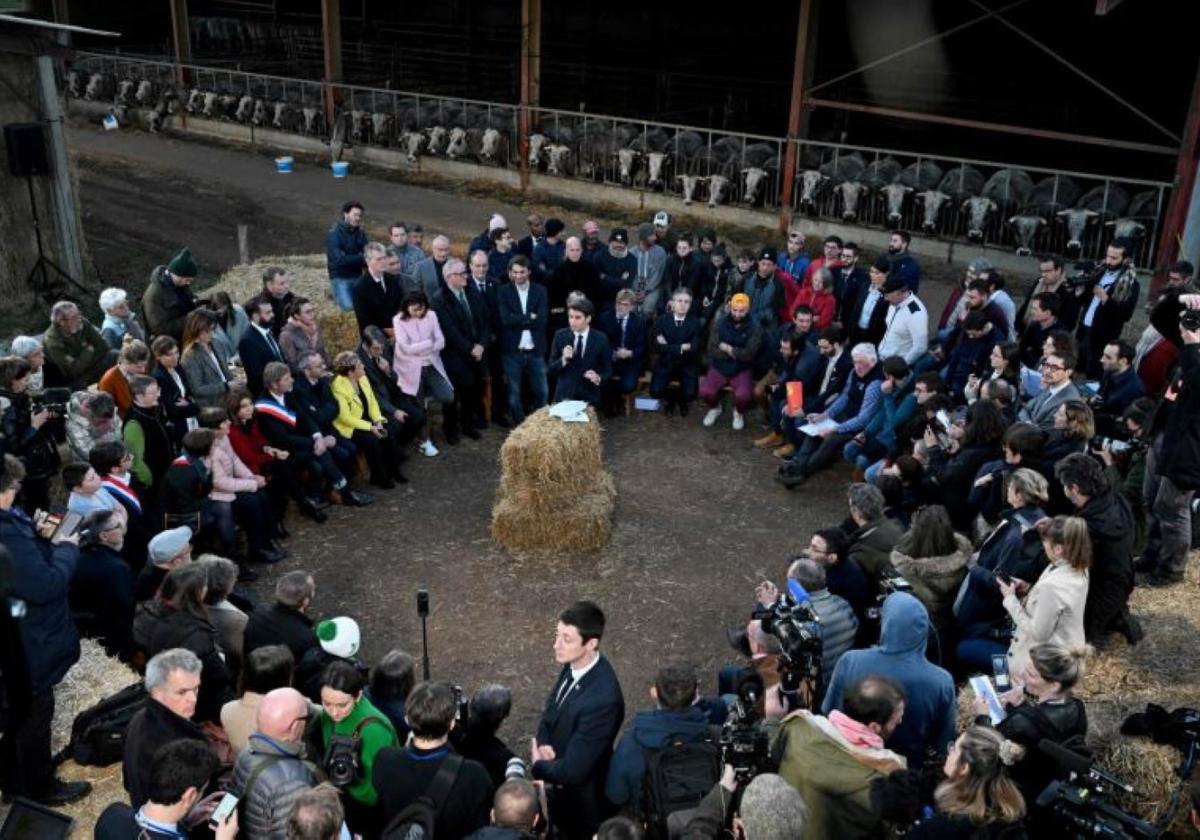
point(181, 38)
point(331, 34)
point(1175, 219)
point(243, 233)
point(531, 74)
point(801, 68)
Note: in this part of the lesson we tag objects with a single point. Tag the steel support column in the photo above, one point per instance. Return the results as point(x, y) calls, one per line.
point(531, 77)
point(331, 37)
point(181, 39)
point(1168, 249)
point(801, 68)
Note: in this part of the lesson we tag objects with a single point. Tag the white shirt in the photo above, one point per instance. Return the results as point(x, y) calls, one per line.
point(584, 337)
point(192, 422)
point(829, 371)
point(526, 342)
point(907, 331)
point(1106, 282)
point(864, 317)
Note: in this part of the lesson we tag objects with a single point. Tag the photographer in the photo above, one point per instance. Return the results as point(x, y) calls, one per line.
point(27, 432)
point(1125, 464)
point(770, 809)
point(1172, 482)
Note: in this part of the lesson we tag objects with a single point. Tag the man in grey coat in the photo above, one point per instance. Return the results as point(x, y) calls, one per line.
point(1057, 388)
point(272, 772)
point(427, 276)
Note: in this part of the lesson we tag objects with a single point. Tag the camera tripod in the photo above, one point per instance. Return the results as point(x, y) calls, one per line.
point(44, 263)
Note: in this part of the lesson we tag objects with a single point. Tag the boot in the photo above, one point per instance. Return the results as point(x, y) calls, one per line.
point(769, 441)
point(785, 451)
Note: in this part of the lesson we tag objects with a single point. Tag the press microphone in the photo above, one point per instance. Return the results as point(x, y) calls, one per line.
point(798, 592)
point(1080, 765)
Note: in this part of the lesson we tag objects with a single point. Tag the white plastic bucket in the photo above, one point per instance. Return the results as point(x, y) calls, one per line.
point(340, 168)
point(283, 165)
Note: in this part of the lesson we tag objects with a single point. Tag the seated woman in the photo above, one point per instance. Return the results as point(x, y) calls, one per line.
point(302, 333)
point(231, 323)
point(205, 363)
point(1040, 705)
point(345, 711)
point(132, 360)
point(227, 618)
point(977, 798)
point(187, 483)
point(954, 462)
point(91, 419)
point(418, 362)
point(1074, 426)
point(251, 446)
point(101, 593)
point(174, 391)
point(360, 420)
point(1022, 447)
point(1004, 363)
point(933, 557)
point(264, 669)
point(177, 618)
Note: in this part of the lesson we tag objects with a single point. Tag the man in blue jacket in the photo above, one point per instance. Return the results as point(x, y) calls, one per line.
point(344, 245)
point(49, 645)
point(929, 710)
point(676, 718)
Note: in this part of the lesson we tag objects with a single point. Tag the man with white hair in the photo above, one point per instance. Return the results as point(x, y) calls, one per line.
point(483, 242)
point(77, 351)
point(465, 322)
point(119, 320)
point(429, 273)
point(820, 437)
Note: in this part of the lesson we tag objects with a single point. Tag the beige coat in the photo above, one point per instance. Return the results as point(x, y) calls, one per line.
point(935, 580)
point(1052, 613)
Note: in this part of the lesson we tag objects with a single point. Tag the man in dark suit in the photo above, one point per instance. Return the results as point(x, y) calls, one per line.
point(580, 356)
point(626, 332)
point(867, 319)
point(377, 294)
point(479, 266)
point(833, 369)
point(524, 310)
point(679, 342)
point(258, 346)
point(428, 275)
point(537, 233)
point(579, 722)
point(463, 316)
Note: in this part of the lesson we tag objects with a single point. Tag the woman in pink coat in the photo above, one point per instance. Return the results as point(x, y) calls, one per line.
point(418, 359)
point(238, 492)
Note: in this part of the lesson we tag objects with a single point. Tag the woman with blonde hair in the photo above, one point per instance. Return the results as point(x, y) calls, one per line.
point(977, 798)
point(1051, 611)
point(360, 420)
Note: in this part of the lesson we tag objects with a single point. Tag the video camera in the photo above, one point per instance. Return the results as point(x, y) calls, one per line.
point(745, 745)
point(1085, 805)
point(793, 621)
point(54, 399)
point(1117, 446)
point(1084, 275)
point(888, 585)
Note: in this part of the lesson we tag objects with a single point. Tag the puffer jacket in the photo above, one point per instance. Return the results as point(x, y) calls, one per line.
point(229, 474)
point(84, 432)
point(265, 808)
point(935, 580)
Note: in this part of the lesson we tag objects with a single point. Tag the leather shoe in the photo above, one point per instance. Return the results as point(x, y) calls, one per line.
point(64, 793)
point(280, 549)
point(356, 498)
point(246, 575)
point(310, 509)
point(683, 409)
point(670, 409)
point(790, 477)
point(268, 556)
point(472, 433)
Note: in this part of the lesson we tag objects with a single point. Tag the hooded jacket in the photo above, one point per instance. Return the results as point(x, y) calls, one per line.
point(1110, 524)
point(652, 730)
point(929, 706)
point(935, 580)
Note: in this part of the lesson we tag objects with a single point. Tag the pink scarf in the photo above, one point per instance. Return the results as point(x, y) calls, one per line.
point(856, 733)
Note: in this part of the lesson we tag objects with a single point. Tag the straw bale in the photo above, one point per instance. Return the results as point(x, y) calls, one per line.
point(340, 330)
point(584, 524)
point(309, 272)
point(545, 451)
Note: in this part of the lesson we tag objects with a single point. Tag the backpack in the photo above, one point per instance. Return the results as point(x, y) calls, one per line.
point(677, 777)
point(98, 733)
point(416, 820)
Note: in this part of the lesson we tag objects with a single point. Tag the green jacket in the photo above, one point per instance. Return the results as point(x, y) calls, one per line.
point(82, 358)
point(833, 776)
point(373, 737)
point(166, 306)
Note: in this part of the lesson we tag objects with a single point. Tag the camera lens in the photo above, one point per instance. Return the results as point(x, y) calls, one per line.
point(515, 769)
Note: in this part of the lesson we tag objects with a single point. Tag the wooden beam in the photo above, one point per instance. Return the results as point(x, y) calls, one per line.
point(181, 38)
point(531, 71)
point(331, 36)
point(801, 68)
point(1181, 192)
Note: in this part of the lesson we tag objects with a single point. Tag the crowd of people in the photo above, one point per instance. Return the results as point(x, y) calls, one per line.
point(1018, 467)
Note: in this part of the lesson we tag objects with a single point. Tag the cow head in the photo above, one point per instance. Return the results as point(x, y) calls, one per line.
point(125, 91)
point(245, 107)
point(381, 127)
point(1025, 228)
point(536, 143)
point(932, 202)
point(557, 155)
point(195, 101)
point(1077, 221)
point(655, 161)
point(755, 180)
point(977, 209)
point(280, 112)
point(850, 191)
point(810, 183)
point(437, 139)
point(489, 145)
point(358, 125)
point(1126, 228)
point(312, 119)
point(456, 144)
point(75, 84)
point(259, 115)
point(145, 90)
point(95, 87)
point(894, 195)
point(688, 184)
point(210, 103)
point(626, 161)
point(411, 143)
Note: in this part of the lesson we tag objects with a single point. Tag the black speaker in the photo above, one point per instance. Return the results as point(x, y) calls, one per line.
point(26, 144)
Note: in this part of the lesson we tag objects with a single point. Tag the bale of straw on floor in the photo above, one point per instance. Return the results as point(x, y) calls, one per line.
point(340, 331)
point(554, 492)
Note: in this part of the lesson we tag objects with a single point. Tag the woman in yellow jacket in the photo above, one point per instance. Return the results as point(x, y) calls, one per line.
point(360, 420)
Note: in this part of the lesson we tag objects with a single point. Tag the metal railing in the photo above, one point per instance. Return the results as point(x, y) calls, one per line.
point(988, 203)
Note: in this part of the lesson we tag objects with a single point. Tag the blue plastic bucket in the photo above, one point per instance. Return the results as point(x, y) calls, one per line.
point(283, 165)
point(340, 168)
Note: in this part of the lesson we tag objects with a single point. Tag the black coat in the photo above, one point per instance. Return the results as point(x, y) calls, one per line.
point(1110, 579)
point(670, 352)
point(151, 728)
point(256, 353)
point(157, 627)
point(570, 277)
point(581, 730)
point(102, 598)
point(376, 306)
point(297, 437)
point(514, 320)
point(597, 356)
point(462, 332)
point(279, 625)
point(693, 273)
point(169, 396)
point(317, 401)
point(876, 326)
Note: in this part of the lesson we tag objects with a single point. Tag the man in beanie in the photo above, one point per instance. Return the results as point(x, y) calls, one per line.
point(769, 291)
point(75, 349)
point(549, 252)
point(651, 262)
point(732, 348)
point(617, 268)
point(168, 298)
point(166, 551)
point(338, 639)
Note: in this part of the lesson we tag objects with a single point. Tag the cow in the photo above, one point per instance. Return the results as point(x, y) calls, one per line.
point(1102, 201)
point(1025, 228)
point(212, 104)
point(596, 149)
point(537, 142)
point(688, 185)
point(920, 175)
point(158, 116)
point(493, 147)
point(456, 143)
point(314, 120)
point(258, 116)
point(720, 189)
point(850, 192)
point(125, 92)
point(883, 176)
point(145, 91)
point(961, 182)
point(245, 108)
point(756, 180)
point(195, 101)
point(411, 143)
point(811, 181)
point(229, 105)
point(559, 159)
point(685, 144)
point(932, 202)
point(1141, 210)
point(657, 164)
point(627, 165)
point(1051, 194)
point(651, 140)
point(437, 135)
point(75, 84)
point(95, 87)
point(1006, 189)
point(381, 128)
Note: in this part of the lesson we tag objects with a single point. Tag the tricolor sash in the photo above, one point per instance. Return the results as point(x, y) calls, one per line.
point(279, 412)
point(122, 491)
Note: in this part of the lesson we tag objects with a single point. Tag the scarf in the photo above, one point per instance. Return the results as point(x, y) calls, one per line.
point(854, 732)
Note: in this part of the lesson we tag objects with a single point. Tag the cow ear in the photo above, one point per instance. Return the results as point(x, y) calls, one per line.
point(1091, 214)
point(1012, 220)
point(1113, 223)
point(702, 179)
point(679, 178)
point(746, 169)
point(1062, 213)
point(965, 204)
point(908, 190)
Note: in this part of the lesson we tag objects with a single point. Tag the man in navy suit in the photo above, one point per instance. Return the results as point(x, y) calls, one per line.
point(581, 718)
point(463, 315)
point(581, 356)
point(258, 346)
point(489, 293)
point(626, 332)
point(679, 344)
point(524, 310)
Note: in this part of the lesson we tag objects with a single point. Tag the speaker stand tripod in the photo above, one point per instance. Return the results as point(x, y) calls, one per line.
point(44, 263)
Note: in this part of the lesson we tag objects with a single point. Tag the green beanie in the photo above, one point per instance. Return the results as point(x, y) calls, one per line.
point(182, 264)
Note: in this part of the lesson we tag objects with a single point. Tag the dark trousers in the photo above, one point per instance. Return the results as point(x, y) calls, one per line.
point(254, 512)
point(498, 386)
point(467, 405)
point(25, 750)
point(816, 453)
point(666, 371)
point(414, 421)
point(382, 456)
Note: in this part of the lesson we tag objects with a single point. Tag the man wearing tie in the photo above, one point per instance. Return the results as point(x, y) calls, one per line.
point(258, 346)
point(377, 294)
point(580, 356)
point(626, 332)
point(581, 718)
point(462, 315)
point(489, 291)
point(524, 309)
point(679, 343)
point(1057, 388)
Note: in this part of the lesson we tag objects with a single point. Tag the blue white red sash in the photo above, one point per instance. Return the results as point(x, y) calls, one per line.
point(272, 408)
point(122, 491)
point(181, 461)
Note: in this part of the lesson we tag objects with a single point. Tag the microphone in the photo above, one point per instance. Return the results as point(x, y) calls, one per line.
point(798, 592)
point(1080, 765)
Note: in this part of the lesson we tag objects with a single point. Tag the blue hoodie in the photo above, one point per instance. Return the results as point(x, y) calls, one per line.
point(652, 730)
point(929, 705)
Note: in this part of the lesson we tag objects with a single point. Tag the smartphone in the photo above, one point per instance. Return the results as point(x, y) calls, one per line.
point(943, 418)
point(1000, 672)
point(227, 806)
point(67, 526)
point(422, 602)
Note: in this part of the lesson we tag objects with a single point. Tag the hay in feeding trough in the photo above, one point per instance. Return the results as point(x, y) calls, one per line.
point(554, 492)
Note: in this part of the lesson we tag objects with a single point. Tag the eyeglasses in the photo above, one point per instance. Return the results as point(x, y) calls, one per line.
point(1049, 366)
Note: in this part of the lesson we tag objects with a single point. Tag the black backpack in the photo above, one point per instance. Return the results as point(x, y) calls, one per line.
point(416, 820)
point(98, 733)
point(677, 777)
